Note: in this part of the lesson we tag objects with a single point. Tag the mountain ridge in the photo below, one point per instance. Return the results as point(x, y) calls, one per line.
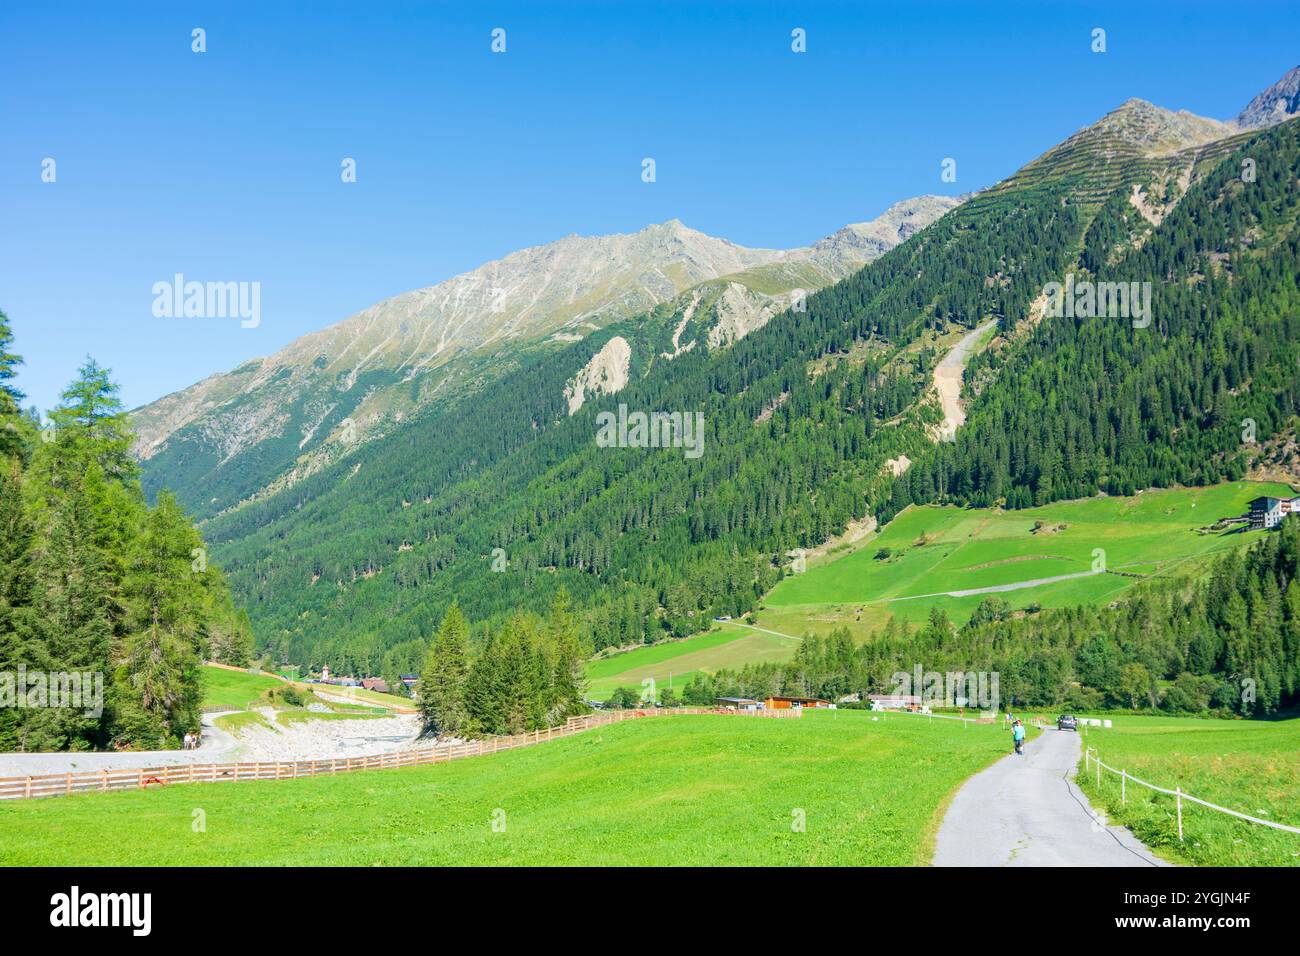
point(284, 414)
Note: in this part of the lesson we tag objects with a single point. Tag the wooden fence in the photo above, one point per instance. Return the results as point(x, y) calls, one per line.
point(128, 778)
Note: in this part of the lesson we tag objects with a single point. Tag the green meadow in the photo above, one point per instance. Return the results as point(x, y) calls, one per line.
point(709, 790)
point(238, 690)
point(935, 550)
point(674, 663)
point(234, 690)
point(1249, 766)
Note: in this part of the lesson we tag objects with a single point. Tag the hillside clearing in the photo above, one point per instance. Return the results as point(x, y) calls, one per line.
point(225, 689)
point(672, 664)
point(926, 553)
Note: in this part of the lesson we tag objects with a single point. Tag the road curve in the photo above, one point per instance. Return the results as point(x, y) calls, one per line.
point(217, 746)
point(1027, 811)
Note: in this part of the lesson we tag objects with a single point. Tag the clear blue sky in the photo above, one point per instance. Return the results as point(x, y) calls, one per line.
point(225, 165)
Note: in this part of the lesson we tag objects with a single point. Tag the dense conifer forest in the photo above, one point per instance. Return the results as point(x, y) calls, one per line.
point(96, 587)
point(1091, 405)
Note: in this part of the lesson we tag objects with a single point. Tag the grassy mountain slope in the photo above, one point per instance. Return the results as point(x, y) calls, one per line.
point(932, 550)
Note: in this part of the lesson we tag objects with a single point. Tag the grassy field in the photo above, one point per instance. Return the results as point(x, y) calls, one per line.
point(674, 663)
point(361, 696)
point(234, 690)
point(671, 791)
point(236, 724)
point(1248, 766)
point(937, 550)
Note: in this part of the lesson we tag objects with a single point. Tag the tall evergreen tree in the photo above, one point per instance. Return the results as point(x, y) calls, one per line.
point(10, 397)
point(157, 680)
point(567, 680)
point(91, 409)
point(442, 682)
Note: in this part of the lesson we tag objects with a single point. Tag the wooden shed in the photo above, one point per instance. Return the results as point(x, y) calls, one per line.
point(785, 703)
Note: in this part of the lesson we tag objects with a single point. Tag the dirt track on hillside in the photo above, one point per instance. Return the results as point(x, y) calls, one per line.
point(948, 378)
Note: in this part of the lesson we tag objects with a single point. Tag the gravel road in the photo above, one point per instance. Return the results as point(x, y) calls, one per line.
point(300, 740)
point(217, 746)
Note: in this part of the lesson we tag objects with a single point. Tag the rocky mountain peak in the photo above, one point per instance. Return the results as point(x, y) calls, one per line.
point(1153, 130)
point(1277, 104)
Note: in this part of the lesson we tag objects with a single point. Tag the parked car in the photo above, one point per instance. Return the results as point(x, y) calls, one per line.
point(1066, 722)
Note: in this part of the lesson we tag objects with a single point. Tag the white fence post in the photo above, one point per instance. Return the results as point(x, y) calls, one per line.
point(1178, 798)
point(1123, 779)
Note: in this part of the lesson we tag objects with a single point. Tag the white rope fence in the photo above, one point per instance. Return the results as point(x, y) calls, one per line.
point(1090, 758)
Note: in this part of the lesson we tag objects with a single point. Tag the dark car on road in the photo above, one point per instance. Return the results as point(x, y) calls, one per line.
point(1066, 722)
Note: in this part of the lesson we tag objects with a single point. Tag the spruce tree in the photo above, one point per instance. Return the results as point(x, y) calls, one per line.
point(157, 681)
point(567, 681)
point(443, 680)
point(11, 419)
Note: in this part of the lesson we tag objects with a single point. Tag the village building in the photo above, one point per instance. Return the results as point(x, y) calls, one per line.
point(738, 703)
point(1267, 511)
point(895, 701)
point(782, 702)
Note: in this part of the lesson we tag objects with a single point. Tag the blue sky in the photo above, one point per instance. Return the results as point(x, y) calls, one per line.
point(225, 165)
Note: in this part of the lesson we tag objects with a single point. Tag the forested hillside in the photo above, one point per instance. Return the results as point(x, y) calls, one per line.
point(1088, 405)
point(95, 583)
point(502, 499)
point(800, 418)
